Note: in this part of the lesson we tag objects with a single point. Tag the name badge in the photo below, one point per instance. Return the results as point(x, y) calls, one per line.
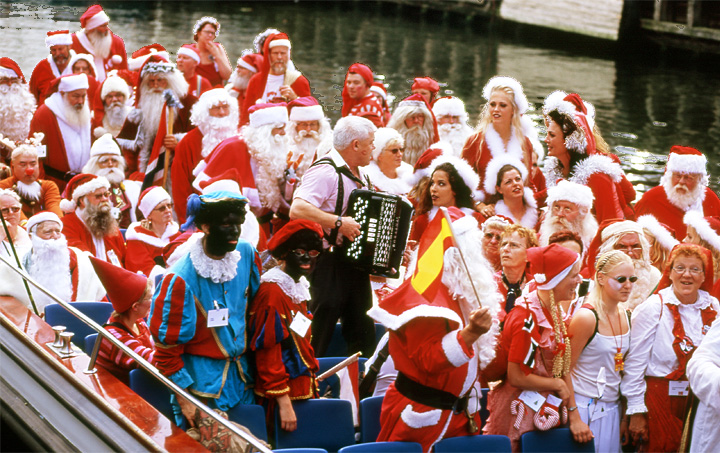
point(41, 151)
point(678, 388)
point(113, 258)
point(300, 324)
point(219, 317)
point(532, 399)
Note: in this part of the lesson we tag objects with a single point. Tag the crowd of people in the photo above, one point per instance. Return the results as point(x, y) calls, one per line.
point(209, 205)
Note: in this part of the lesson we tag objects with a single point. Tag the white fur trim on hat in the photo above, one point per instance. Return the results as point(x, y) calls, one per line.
point(573, 192)
point(624, 227)
point(309, 113)
point(685, 163)
point(449, 106)
point(134, 64)
point(493, 168)
point(99, 182)
point(89, 59)
point(41, 217)
point(246, 65)
point(383, 136)
point(97, 20)
point(466, 172)
point(151, 199)
point(188, 52)
point(279, 42)
point(541, 279)
point(412, 103)
point(663, 236)
point(379, 91)
point(556, 101)
point(226, 185)
point(115, 84)
point(696, 220)
point(8, 73)
point(269, 115)
point(105, 145)
point(73, 82)
point(60, 39)
point(520, 100)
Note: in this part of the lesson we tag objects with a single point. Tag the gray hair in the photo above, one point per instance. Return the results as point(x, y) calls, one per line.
point(351, 128)
point(11, 194)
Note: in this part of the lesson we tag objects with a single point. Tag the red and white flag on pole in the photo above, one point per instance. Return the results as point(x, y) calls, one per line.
point(349, 377)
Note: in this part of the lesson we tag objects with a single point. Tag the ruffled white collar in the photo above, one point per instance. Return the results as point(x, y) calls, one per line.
point(703, 301)
point(219, 271)
point(297, 291)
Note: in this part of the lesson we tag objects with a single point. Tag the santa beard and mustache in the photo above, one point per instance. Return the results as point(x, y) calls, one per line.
point(17, 111)
point(239, 82)
point(680, 195)
point(454, 134)
point(270, 153)
point(115, 115)
point(584, 225)
point(99, 219)
point(76, 115)
point(417, 140)
point(101, 43)
point(114, 175)
point(50, 266)
point(215, 130)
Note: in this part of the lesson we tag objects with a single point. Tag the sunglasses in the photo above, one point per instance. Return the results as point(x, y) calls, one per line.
point(165, 207)
point(623, 279)
point(13, 209)
point(397, 150)
point(311, 253)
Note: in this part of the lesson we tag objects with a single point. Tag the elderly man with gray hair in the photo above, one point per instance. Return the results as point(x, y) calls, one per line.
point(569, 208)
point(339, 290)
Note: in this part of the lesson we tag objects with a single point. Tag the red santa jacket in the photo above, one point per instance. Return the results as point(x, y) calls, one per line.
point(369, 107)
point(188, 154)
point(42, 76)
point(656, 202)
point(231, 153)
point(55, 165)
point(143, 246)
point(198, 85)
point(78, 235)
point(256, 88)
point(49, 197)
point(80, 44)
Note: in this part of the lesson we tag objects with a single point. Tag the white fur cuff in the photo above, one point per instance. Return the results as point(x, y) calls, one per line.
point(420, 419)
point(453, 350)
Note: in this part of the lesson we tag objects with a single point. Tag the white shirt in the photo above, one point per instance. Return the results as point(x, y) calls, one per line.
point(703, 371)
point(272, 87)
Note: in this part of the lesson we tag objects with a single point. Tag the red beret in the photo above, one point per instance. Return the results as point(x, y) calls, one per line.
point(364, 71)
point(425, 83)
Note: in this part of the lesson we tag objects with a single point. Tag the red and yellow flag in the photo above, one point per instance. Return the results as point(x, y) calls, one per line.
point(437, 238)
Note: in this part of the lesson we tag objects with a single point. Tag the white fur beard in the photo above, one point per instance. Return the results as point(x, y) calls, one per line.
point(31, 191)
point(643, 287)
point(238, 81)
point(17, 111)
point(115, 115)
point(75, 117)
point(50, 266)
point(271, 164)
point(417, 140)
point(307, 147)
point(101, 44)
point(682, 201)
point(114, 175)
point(456, 135)
point(215, 130)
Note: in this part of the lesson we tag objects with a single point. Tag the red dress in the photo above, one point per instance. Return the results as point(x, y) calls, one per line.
point(143, 246)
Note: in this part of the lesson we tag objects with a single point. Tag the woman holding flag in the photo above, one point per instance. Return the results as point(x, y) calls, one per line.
point(441, 335)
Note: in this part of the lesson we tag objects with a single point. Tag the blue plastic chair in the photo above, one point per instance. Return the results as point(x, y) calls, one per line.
point(370, 418)
point(90, 343)
point(321, 423)
point(383, 447)
point(56, 314)
point(332, 382)
point(485, 442)
point(560, 439)
point(152, 391)
point(251, 416)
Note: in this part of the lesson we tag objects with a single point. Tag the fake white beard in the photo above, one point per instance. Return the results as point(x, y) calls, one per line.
point(76, 117)
point(30, 191)
point(115, 115)
point(239, 82)
point(270, 152)
point(417, 140)
point(585, 226)
point(151, 105)
point(115, 174)
point(101, 44)
point(215, 130)
point(17, 111)
point(683, 201)
point(455, 134)
point(50, 266)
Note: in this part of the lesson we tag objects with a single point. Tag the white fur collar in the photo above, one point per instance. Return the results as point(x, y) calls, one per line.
point(497, 146)
point(219, 271)
point(583, 170)
point(397, 186)
point(136, 232)
point(529, 219)
point(703, 301)
point(297, 291)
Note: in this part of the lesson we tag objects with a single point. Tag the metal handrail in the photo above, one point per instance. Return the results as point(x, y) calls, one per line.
point(140, 360)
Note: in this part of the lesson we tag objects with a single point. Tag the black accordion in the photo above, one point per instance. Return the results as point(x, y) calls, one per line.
point(384, 229)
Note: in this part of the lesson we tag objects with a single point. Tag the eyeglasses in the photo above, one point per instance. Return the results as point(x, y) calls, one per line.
point(628, 248)
point(623, 279)
point(13, 209)
point(164, 207)
point(693, 270)
point(107, 195)
point(491, 236)
point(302, 252)
point(397, 150)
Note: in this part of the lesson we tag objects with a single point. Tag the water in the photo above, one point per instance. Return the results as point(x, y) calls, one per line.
point(644, 105)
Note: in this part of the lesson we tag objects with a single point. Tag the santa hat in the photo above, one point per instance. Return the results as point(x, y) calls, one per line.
point(519, 98)
point(264, 114)
point(493, 168)
point(551, 264)
point(250, 61)
point(379, 89)
point(662, 233)
point(79, 186)
point(425, 83)
point(112, 84)
point(607, 229)
point(305, 108)
point(106, 144)
point(582, 114)
point(10, 69)
point(58, 38)
point(415, 101)
point(466, 172)
point(708, 228)
point(290, 228)
point(83, 56)
point(156, 64)
point(363, 71)
point(684, 248)
point(227, 181)
point(93, 18)
point(497, 220)
point(206, 20)
point(189, 50)
point(383, 136)
point(573, 192)
point(150, 198)
point(40, 217)
point(123, 287)
point(141, 55)
point(422, 165)
point(449, 105)
point(278, 39)
point(70, 82)
point(683, 159)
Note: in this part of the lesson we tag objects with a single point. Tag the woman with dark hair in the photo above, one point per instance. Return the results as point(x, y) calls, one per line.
point(578, 153)
point(279, 325)
point(214, 63)
point(504, 187)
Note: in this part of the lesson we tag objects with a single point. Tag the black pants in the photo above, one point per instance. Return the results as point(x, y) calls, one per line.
point(340, 291)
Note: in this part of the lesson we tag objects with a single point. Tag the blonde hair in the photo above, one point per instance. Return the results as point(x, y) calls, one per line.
point(605, 263)
point(658, 253)
point(526, 233)
point(486, 118)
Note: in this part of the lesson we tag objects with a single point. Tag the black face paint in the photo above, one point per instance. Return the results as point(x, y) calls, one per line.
point(300, 264)
point(222, 236)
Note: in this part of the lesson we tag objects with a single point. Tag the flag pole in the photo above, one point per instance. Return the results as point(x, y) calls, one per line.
point(462, 256)
point(338, 367)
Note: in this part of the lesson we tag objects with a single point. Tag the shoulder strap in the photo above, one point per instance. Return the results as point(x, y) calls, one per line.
point(597, 322)
point(332, 238)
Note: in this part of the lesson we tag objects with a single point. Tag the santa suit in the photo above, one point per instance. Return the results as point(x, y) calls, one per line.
point(68, 147)
point(188, 154)
point(210, 70)
point(81, 44)
point(143, 246)
point(656, 202)
point(369, 107)
point(49, 197)
point(78, 235)
point(42, 76)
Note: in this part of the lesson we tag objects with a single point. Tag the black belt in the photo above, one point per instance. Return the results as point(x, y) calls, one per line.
point(429, 396)
point(57, 174)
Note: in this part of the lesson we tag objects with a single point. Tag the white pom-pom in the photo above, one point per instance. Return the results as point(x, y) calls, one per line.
point(67, 205)
point(116, 59)
point(540, 278)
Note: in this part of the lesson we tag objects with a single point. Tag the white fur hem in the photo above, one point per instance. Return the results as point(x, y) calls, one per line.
point(419, 420)
point(453, 350)
point(395, 322)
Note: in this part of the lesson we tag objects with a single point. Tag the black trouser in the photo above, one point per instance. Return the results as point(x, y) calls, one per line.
point(341, 291)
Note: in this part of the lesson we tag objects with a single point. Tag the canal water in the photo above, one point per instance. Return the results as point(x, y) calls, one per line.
point(645, 104)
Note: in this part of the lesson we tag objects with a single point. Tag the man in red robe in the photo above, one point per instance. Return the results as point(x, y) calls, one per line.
point(683, 188)
point(111, 106)
point(278, 81)
point(96, 39)
point(18, 104)
point(358, 100)
point(53, 66)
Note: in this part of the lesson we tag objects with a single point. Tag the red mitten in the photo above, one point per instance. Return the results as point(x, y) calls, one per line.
point(548, 416)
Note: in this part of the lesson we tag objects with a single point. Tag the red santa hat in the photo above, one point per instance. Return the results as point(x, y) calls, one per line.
point(708, 228)
point(264, 114)
point(685, 248)
point(422, 165)
point(251, 61)
point(663, 234)
point(70, 82)
point(683, 159)
point(383, 136)
point(305, 108)
point(141, 55)
point(425, 83)
point(551, 264)
point(9, 69)
point(206, 20)
point(449, 105)
point(113, 84)
point(93, 18)
point(582, 114)
point(40, 217)
point(189, 50)
point(123, 287)
point(278, 39)
point(565, 190)
point(58, 38)
point(106, 144)
point(415, 100)
point(229, 181)
point(379, 89)
point(79, 186)
point(519, 98)
point(150, 198)
point(493, 169)
point(290, 228)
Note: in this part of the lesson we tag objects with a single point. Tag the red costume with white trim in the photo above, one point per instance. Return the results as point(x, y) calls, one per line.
point(49, 197)
point(656, 202)
point(369, 107)
point(42, 76)
point(78, 235)
point(231, 153)
point(188, 154)
point(143, 246)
